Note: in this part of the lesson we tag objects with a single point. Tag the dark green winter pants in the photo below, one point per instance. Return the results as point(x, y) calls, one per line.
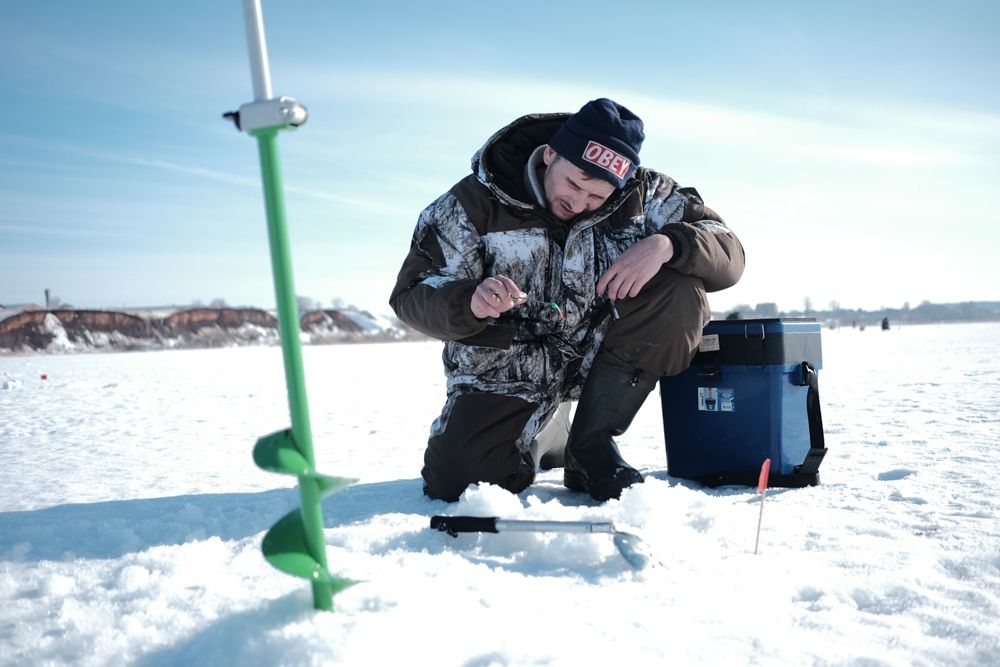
point(658, 332)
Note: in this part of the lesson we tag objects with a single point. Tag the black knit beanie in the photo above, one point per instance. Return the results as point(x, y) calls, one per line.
point(603, 138)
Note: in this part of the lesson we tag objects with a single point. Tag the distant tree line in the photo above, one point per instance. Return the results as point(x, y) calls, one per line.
point(833, 315)
point(965, 311)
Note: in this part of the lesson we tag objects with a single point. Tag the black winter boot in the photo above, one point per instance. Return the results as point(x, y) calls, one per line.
point(612, 395)
point(548, 447)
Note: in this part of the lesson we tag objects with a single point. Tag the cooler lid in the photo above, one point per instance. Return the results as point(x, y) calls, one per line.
point(769, 325)
point(764, 341)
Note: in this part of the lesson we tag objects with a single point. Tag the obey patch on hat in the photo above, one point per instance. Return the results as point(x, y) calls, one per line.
point(606, 158)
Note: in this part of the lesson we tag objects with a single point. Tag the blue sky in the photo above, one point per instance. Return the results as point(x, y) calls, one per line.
point(853, 146)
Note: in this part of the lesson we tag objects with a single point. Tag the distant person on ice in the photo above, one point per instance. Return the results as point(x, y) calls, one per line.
point(558, 270)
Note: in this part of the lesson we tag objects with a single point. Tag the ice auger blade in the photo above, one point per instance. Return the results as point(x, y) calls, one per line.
point(285, 548)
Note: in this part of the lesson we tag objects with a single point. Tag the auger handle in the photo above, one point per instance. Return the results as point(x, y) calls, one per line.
point(453, 525)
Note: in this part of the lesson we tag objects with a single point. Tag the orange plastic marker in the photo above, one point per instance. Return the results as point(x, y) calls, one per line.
point(765, 471)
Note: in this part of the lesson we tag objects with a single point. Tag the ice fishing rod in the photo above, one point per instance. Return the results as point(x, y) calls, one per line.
point(636, 552)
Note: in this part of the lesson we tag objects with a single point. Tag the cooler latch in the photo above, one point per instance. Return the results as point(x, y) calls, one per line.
point(754, 334)
point(753, 330)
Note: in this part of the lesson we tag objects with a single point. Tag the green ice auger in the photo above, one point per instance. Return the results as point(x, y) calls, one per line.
point(295, 544)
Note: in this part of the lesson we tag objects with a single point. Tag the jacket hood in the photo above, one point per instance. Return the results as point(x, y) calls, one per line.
point(499, 164)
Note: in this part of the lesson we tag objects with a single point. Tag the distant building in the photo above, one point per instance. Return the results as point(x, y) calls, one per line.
point(766, 310)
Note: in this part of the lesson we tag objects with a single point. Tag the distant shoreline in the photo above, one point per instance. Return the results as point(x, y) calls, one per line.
point(32, 330)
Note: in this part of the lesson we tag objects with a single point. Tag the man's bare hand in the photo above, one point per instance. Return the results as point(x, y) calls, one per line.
point(635, 267)
point(495, 295)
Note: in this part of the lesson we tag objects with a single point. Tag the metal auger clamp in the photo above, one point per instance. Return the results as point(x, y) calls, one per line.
point(280, 112)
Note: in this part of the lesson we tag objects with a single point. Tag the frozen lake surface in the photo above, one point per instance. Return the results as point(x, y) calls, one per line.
point(131, 515)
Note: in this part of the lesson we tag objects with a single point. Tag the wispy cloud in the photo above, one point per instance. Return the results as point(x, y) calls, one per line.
point(200, 172)
point(66, 230)
point(874, 133)
point(855, 135)
point(356, 203)
point(363, 205)
point(894, 156)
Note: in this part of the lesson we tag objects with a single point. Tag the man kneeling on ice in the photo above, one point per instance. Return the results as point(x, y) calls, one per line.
point(558, 270)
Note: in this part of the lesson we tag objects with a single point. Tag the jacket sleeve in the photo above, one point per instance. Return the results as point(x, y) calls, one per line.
point(703, 245)
point(433, 291)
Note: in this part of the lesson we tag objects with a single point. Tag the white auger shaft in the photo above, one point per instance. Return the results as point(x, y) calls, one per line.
point(519, 525)
point(257, 47)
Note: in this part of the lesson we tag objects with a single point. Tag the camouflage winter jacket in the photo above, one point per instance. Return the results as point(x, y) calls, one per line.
point(489, 224)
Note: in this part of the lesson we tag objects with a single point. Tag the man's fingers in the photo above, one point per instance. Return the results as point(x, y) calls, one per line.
point(615, 284)
point(511, 290)
point(492, 291)
point(630, 272)
point(504, 291)
point(496, 295)
point(604, 282)
point(493, 299)
point(612, 285)
point(483, 307)
point(610, 291)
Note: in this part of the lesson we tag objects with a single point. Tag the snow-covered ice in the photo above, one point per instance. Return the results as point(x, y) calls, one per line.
point(131, 515)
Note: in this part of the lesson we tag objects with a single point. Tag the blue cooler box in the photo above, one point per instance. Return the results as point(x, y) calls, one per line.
point(751, 393)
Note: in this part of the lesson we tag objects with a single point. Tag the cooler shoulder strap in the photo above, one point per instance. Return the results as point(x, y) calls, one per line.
point(817, 441)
